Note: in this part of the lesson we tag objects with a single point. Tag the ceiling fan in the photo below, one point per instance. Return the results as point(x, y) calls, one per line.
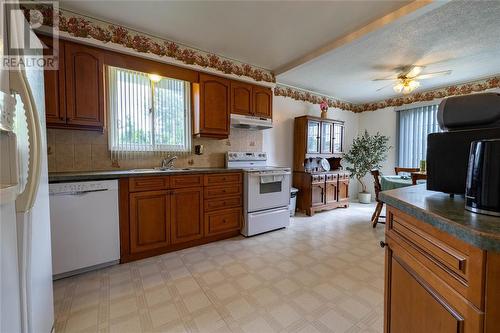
point(408, 78)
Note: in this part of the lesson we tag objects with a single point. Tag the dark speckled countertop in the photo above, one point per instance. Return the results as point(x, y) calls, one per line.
point(59, 177)
point(447, 214)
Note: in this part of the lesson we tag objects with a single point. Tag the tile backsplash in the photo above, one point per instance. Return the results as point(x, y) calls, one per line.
point(76, 150)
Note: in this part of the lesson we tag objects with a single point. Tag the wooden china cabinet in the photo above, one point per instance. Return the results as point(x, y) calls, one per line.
point(314, 139)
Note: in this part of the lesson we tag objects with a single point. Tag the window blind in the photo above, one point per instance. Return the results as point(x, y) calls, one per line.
point(414, 126)
point(146, 117)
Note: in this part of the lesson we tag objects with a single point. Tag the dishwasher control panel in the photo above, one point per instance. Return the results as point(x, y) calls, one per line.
point(83, 187)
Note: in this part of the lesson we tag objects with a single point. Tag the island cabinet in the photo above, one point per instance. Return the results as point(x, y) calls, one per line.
point(435, 282)
point(321, 191)
point(160, 214)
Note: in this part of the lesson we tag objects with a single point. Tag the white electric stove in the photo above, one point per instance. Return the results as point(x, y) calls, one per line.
point(266, 192)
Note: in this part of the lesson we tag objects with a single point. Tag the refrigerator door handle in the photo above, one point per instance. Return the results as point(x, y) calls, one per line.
point(26, 199)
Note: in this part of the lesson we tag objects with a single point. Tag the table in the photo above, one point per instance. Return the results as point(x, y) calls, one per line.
point(421, 175)
point(395, 181)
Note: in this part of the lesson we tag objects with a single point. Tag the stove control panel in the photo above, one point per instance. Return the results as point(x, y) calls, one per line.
point(246, 156)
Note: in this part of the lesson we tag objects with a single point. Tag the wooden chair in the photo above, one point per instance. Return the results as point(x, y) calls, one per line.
point(380, 204)
point(417, 176)
point(397, 170)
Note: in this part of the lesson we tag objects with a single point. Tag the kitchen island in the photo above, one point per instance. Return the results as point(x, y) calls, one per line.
point(442, 268)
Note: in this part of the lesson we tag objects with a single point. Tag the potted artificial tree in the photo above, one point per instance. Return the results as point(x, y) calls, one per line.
point(366, 153)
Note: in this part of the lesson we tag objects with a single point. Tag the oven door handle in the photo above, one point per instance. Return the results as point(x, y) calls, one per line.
point(270, 174)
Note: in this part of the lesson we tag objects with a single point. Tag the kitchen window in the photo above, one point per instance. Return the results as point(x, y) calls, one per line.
point(414, 126)
point(149, 114)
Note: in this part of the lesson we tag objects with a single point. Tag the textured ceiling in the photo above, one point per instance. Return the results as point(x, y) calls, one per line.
point(462, 36)
point(268, 34)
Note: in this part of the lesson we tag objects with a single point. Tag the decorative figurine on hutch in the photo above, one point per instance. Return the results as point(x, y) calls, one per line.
point(324, 109)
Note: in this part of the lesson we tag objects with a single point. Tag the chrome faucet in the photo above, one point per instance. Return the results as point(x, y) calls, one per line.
point(168, 162)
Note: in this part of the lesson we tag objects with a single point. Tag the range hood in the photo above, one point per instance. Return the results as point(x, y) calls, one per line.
point(250, 123)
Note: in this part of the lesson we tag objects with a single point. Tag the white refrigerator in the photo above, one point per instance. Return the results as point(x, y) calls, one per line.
point(25, 247)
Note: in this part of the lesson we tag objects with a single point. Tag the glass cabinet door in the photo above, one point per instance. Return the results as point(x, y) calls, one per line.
point(313, 137)
point(326, 138)
point(338, 138)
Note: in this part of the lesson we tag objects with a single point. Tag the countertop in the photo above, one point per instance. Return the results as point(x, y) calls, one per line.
point(447, 214)
point(59, 177)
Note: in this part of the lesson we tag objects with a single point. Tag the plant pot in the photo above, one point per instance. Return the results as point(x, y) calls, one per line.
point(365, 197)
point(324, 114)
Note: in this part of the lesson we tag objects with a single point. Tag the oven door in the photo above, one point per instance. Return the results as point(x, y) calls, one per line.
point(267, 190)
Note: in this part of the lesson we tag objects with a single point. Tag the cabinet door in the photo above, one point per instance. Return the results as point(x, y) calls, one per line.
point(55, 103)
point(326, 138)
point(262, 102)
point(187, 214)
point(343, 192)
point(317, 194)
point(84, 86)
point(331, 192)
point(214, 106)
point(241, 98)
point(313, 130)
point(149, 220)
point(414, 306)
point(338, 138)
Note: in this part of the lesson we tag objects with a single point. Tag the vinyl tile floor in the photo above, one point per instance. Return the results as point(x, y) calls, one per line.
point(322, 274)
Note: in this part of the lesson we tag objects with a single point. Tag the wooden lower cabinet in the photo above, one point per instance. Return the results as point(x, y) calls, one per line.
point(186, 214)
point(321, 191)
point(331, 190)
point(159, 214)
point(149, 220)
point(343, 190)
point(223, 221)
point(436, 283)
point(317, 194)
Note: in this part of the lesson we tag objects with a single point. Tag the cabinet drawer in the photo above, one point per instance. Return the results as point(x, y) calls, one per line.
point(222, 178)
point(417, 300)
point(186, 181)
point(457, 263)
point(331, 177)
point(221, 191)
point(317, 178)
point(216, 204)
point(148, 183)
point(222, 221)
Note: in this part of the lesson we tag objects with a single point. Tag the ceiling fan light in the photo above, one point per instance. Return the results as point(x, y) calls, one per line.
point(398, 88)
point(413, 85)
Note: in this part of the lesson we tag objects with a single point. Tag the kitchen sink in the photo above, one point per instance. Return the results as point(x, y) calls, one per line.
point(158, 169)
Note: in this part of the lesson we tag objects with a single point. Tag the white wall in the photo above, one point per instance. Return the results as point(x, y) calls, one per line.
point(383, 121)
point(278, 141)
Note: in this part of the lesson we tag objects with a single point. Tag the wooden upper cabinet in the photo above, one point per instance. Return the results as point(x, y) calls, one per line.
point(262, 102)
point(187, 214)
point(84, 85)
point(212, 107)
point(149, 220)
point(55, 110)
point(241, 98)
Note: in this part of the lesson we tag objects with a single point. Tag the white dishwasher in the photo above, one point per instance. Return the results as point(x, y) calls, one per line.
point(84, 226)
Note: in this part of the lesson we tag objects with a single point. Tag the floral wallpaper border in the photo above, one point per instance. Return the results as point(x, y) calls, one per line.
point(453, 90)
point(306, 96)
point(85, 27)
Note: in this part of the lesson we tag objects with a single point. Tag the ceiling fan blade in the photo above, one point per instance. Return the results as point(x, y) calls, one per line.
point(388, 79)
point(388, 85)
point(414, 71)
point(431, 75)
